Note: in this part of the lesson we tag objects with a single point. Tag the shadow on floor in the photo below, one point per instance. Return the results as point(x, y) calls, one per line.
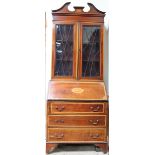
point(76, 147)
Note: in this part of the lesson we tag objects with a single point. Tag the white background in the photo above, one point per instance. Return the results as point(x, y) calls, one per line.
point(131, 78)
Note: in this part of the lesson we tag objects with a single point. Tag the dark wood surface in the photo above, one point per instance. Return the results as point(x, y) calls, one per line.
point(63, 11)
point(65, 15)
point(59, 90)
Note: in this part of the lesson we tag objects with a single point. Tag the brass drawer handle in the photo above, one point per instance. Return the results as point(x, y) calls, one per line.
point(95, 109)
point(94, 122)
point(57, 136)
point(59, 121)
point(60, 108)
point(95, 136)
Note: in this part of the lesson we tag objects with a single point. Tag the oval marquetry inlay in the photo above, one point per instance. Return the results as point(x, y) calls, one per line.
point(77, 90)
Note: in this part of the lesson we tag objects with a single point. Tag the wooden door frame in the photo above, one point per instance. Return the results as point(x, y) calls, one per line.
point(74, 67)
point(101, 50)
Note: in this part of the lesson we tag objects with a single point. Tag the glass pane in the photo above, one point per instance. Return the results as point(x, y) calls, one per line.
point(91, 51)
point(64, 50)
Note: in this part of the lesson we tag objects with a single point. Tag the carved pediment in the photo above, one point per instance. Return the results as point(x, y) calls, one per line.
point(64, 11)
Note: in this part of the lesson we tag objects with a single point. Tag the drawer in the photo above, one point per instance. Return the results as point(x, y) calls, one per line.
point(76, 107)
point(72, 135)
point(75, 121)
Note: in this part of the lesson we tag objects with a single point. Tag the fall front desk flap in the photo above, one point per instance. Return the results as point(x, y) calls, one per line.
point(76, 91)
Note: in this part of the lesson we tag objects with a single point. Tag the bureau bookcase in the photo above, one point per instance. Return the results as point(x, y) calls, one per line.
point(77, 103)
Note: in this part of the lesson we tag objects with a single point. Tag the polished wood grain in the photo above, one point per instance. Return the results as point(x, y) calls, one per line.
point(59, 90)
point(62, 107)
point(76, 121)
point(76, 135)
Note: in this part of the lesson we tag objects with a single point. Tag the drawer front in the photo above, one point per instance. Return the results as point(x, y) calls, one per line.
point(76, 135)
point(74, 121)
point(63, 107)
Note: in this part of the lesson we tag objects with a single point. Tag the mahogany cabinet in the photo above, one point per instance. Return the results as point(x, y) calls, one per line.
point(77, 103)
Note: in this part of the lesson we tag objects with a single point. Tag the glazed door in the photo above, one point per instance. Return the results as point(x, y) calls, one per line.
point(64, 57)
point(91, 51)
